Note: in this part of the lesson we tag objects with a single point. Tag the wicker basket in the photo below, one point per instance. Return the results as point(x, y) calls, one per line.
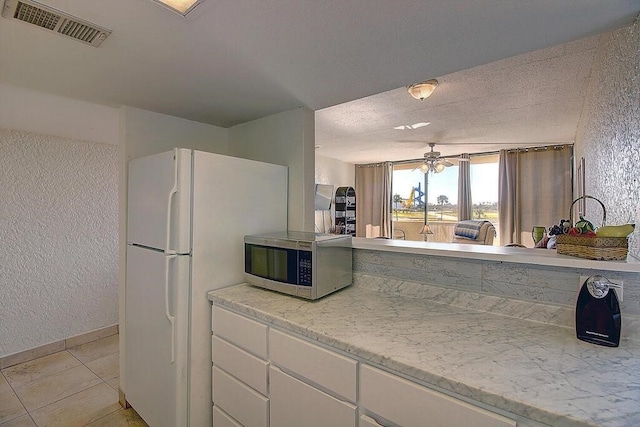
point(601, 248)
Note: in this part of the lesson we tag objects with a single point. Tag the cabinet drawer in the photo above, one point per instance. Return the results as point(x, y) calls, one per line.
point(365, 422)
point(294, 403)
point(244, 366)
point(409, 404)
point(323, 367)
point(220, 419)
point(245, 333)
point(247, 406)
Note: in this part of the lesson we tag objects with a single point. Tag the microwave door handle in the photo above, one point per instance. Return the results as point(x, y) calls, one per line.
point(167, 309)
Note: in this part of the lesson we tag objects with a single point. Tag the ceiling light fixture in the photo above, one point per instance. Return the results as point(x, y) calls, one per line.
point(433, 162)
point(183, 7)
point(423, 90)
point(413, 126)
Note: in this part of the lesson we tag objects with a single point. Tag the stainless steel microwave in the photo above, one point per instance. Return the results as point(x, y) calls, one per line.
point(308, 265)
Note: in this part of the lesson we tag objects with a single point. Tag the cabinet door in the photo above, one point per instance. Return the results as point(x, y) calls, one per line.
point(411, 405)
point(294, 403)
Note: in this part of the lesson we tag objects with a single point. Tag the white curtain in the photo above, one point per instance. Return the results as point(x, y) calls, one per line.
point(535, 189)
point(373, 198)
point(465, 207)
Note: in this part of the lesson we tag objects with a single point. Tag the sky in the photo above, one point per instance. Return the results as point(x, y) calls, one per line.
point(484, 183)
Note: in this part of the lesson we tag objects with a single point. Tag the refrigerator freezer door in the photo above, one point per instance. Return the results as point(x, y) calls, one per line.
point(159, 201)
point(157, 327)
point(231, 197)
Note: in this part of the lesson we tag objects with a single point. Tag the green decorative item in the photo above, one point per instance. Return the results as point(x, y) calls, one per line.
point(584, 226)
point(537, 233)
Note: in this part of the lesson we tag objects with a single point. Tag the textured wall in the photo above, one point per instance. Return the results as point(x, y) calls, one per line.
point(335, 172)
point(608, 136)
point(59, 237)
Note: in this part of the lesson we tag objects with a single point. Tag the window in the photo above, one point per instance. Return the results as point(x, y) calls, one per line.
point(408, 198)
point(484, 187)
point(443, 195)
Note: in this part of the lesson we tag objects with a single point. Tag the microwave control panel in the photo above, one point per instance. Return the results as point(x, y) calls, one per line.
point(305, 273)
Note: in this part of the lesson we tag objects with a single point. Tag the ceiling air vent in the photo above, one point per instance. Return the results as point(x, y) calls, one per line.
point(54, 20)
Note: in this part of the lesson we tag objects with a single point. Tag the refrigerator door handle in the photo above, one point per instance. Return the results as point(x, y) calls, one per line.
point(167, 310)
point(172, 193)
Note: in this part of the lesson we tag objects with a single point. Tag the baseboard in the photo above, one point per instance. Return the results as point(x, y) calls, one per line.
point(56, 346)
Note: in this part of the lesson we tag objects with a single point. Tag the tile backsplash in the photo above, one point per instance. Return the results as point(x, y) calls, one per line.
point(527, 282)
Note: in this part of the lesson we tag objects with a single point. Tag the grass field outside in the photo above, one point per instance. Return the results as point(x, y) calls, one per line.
point(446, 214)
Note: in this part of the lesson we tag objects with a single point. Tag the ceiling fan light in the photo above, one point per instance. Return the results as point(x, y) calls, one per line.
point(424, 168)
point(438, 167)
point(423, 90)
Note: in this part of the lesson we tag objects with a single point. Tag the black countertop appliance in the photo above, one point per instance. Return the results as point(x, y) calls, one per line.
point(598, 318)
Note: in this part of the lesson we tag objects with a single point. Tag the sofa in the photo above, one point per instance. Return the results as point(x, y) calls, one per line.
point(474, 232)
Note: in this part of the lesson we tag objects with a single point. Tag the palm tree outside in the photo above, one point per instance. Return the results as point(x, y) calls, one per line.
point(396, 200)
point(442, 200)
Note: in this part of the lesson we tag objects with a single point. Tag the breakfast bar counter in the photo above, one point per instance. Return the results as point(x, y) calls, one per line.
point(535, 370)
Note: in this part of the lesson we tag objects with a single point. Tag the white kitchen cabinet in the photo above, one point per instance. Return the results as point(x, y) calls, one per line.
point(220, 419)
point(316, 364)
point(244, 404)
point(367, 422)
point(295, 403)
point(239, 330)
point(266, 377)
point(249, 369)
point(240, 370)
point(408, 404)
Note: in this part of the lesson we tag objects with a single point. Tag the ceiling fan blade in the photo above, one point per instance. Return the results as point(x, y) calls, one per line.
point(420, 167)
point(446, 162)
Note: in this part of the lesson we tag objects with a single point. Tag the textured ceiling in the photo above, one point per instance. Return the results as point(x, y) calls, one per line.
point(233, 61)
point(527, 100)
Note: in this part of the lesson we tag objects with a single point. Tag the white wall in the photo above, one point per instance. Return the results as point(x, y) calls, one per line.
point(608, 135)
point(286, 139)
point(334, 172)
point(38, 112)
point(58, 169)
point(58, 228)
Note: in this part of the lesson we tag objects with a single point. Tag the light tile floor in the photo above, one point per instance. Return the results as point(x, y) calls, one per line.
point(74, 387)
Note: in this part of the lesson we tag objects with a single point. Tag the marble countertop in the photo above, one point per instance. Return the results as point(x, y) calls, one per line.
point(535, 370)
point(495, 253)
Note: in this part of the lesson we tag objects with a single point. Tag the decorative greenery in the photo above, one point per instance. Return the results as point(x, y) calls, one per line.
point(397, 199)
point(442, 200)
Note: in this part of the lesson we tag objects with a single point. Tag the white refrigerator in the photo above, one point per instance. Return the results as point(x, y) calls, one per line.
point(187, 214)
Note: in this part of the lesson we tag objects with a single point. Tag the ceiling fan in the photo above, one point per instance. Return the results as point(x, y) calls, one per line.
point(433, 162)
